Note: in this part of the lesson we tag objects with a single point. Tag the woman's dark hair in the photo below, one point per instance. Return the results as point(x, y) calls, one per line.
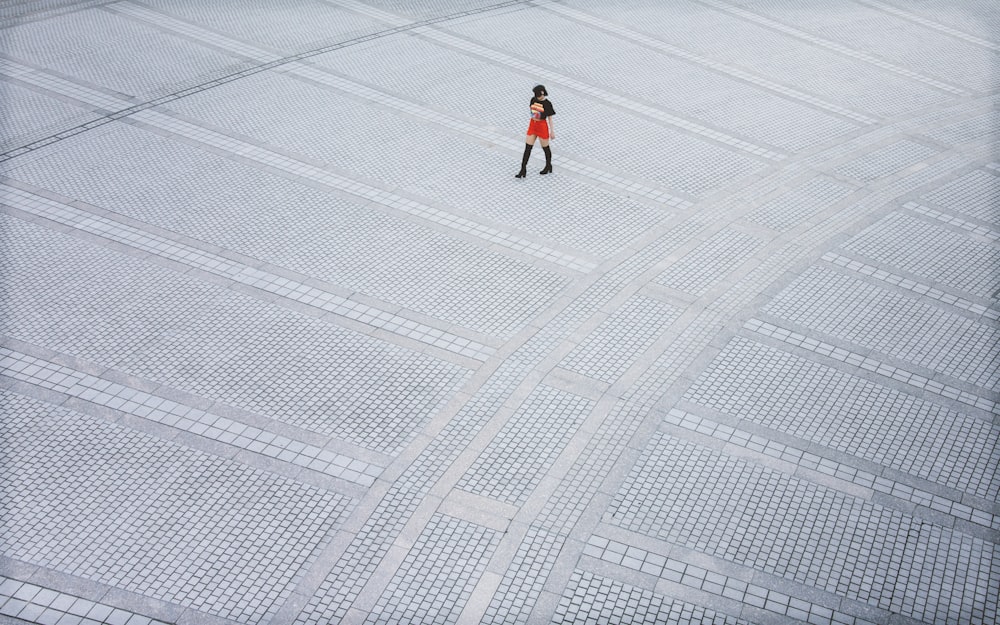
point(540, 90)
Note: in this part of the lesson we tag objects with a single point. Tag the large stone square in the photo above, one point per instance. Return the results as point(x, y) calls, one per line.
point(283, 341)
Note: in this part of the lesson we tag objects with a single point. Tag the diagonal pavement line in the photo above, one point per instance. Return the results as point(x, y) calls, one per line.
point(209, 37)
point(831, 45)
point(68, 381)
point(875, 366)
point(742, 584)
point(63, 87)
point(948, 30)
point(26, 601)
point(604, 96)
point(598, 176)
point(722, 68)
point(802, 458)
point(952, 220)
point(911, 285)
point(303, 170)
point(193, 257)
point(262, 67)
point(302, 70)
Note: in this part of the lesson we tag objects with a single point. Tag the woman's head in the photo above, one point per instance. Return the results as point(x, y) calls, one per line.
point(540, 91)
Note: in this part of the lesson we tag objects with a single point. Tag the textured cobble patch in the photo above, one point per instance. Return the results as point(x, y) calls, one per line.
point(303, 372)
point(109, 51)
point(352, 571)
point(938, 255)
point(885, 161)
point(674, 85)
point(862, 32)
point(86, 300)
point(574, 218)
point(30, 602)
point(438, 575)
point(126, 509)
point(514, 462)
point(700, 578)
point(590, 598)
point(275, 362)
point(851, 414)
point(274, 24)
point(967, 130)
point(873, 317)
point(608, 352)
point(525, 579)
point(27, 113)
point(710, 262)
point(775, 55)
point(323, 236)
point(974, 194)
point(799, 204)
point(705, 500)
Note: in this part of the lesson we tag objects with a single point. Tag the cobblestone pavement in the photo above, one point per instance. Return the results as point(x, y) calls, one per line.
point(283, 341)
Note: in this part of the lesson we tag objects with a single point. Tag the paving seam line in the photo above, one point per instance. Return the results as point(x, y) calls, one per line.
point(134, 108)
point(830, 612)
point(37, 604)
point(872, 365)
point(300, 70)
point(297, 291)
point(832, 45)
point(666, 48)
point(168, 23)
point(952, 220)
point(297, 169)
point(55, 377)
point(908, 284)
point(839, 470)
point(954, 32)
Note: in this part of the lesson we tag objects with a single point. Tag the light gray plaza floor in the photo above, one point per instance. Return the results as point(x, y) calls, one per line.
point(283, 341)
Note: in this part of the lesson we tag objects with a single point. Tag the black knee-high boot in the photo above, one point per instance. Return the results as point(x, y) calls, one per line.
point(524, 161)
point(548, 161)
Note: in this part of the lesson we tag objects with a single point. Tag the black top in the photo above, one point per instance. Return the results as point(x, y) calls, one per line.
point(548, 112)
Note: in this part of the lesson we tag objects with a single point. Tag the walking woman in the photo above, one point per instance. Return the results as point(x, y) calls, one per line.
point(541, 127)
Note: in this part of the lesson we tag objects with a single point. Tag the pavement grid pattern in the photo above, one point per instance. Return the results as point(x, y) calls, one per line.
point(283, 341)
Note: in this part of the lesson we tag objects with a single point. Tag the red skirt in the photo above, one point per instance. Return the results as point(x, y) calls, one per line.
point(539, 128)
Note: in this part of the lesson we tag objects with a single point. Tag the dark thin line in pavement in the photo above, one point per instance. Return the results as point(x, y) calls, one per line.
point(16, 19)
point(73, 131)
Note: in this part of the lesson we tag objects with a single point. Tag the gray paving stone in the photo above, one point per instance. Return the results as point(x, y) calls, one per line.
point(435, 580)
point(865, 29)
point(927, 250)
point(513, 463)
point(590, 598)
point(283, 341)
point(105, 503)
point(694, 496)
point(675, 85)
point(115, 53)
point(28, 113)
point(275, 25)
point(818, 403)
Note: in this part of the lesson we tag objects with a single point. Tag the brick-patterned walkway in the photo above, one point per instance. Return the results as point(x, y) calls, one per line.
point(283, 341)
